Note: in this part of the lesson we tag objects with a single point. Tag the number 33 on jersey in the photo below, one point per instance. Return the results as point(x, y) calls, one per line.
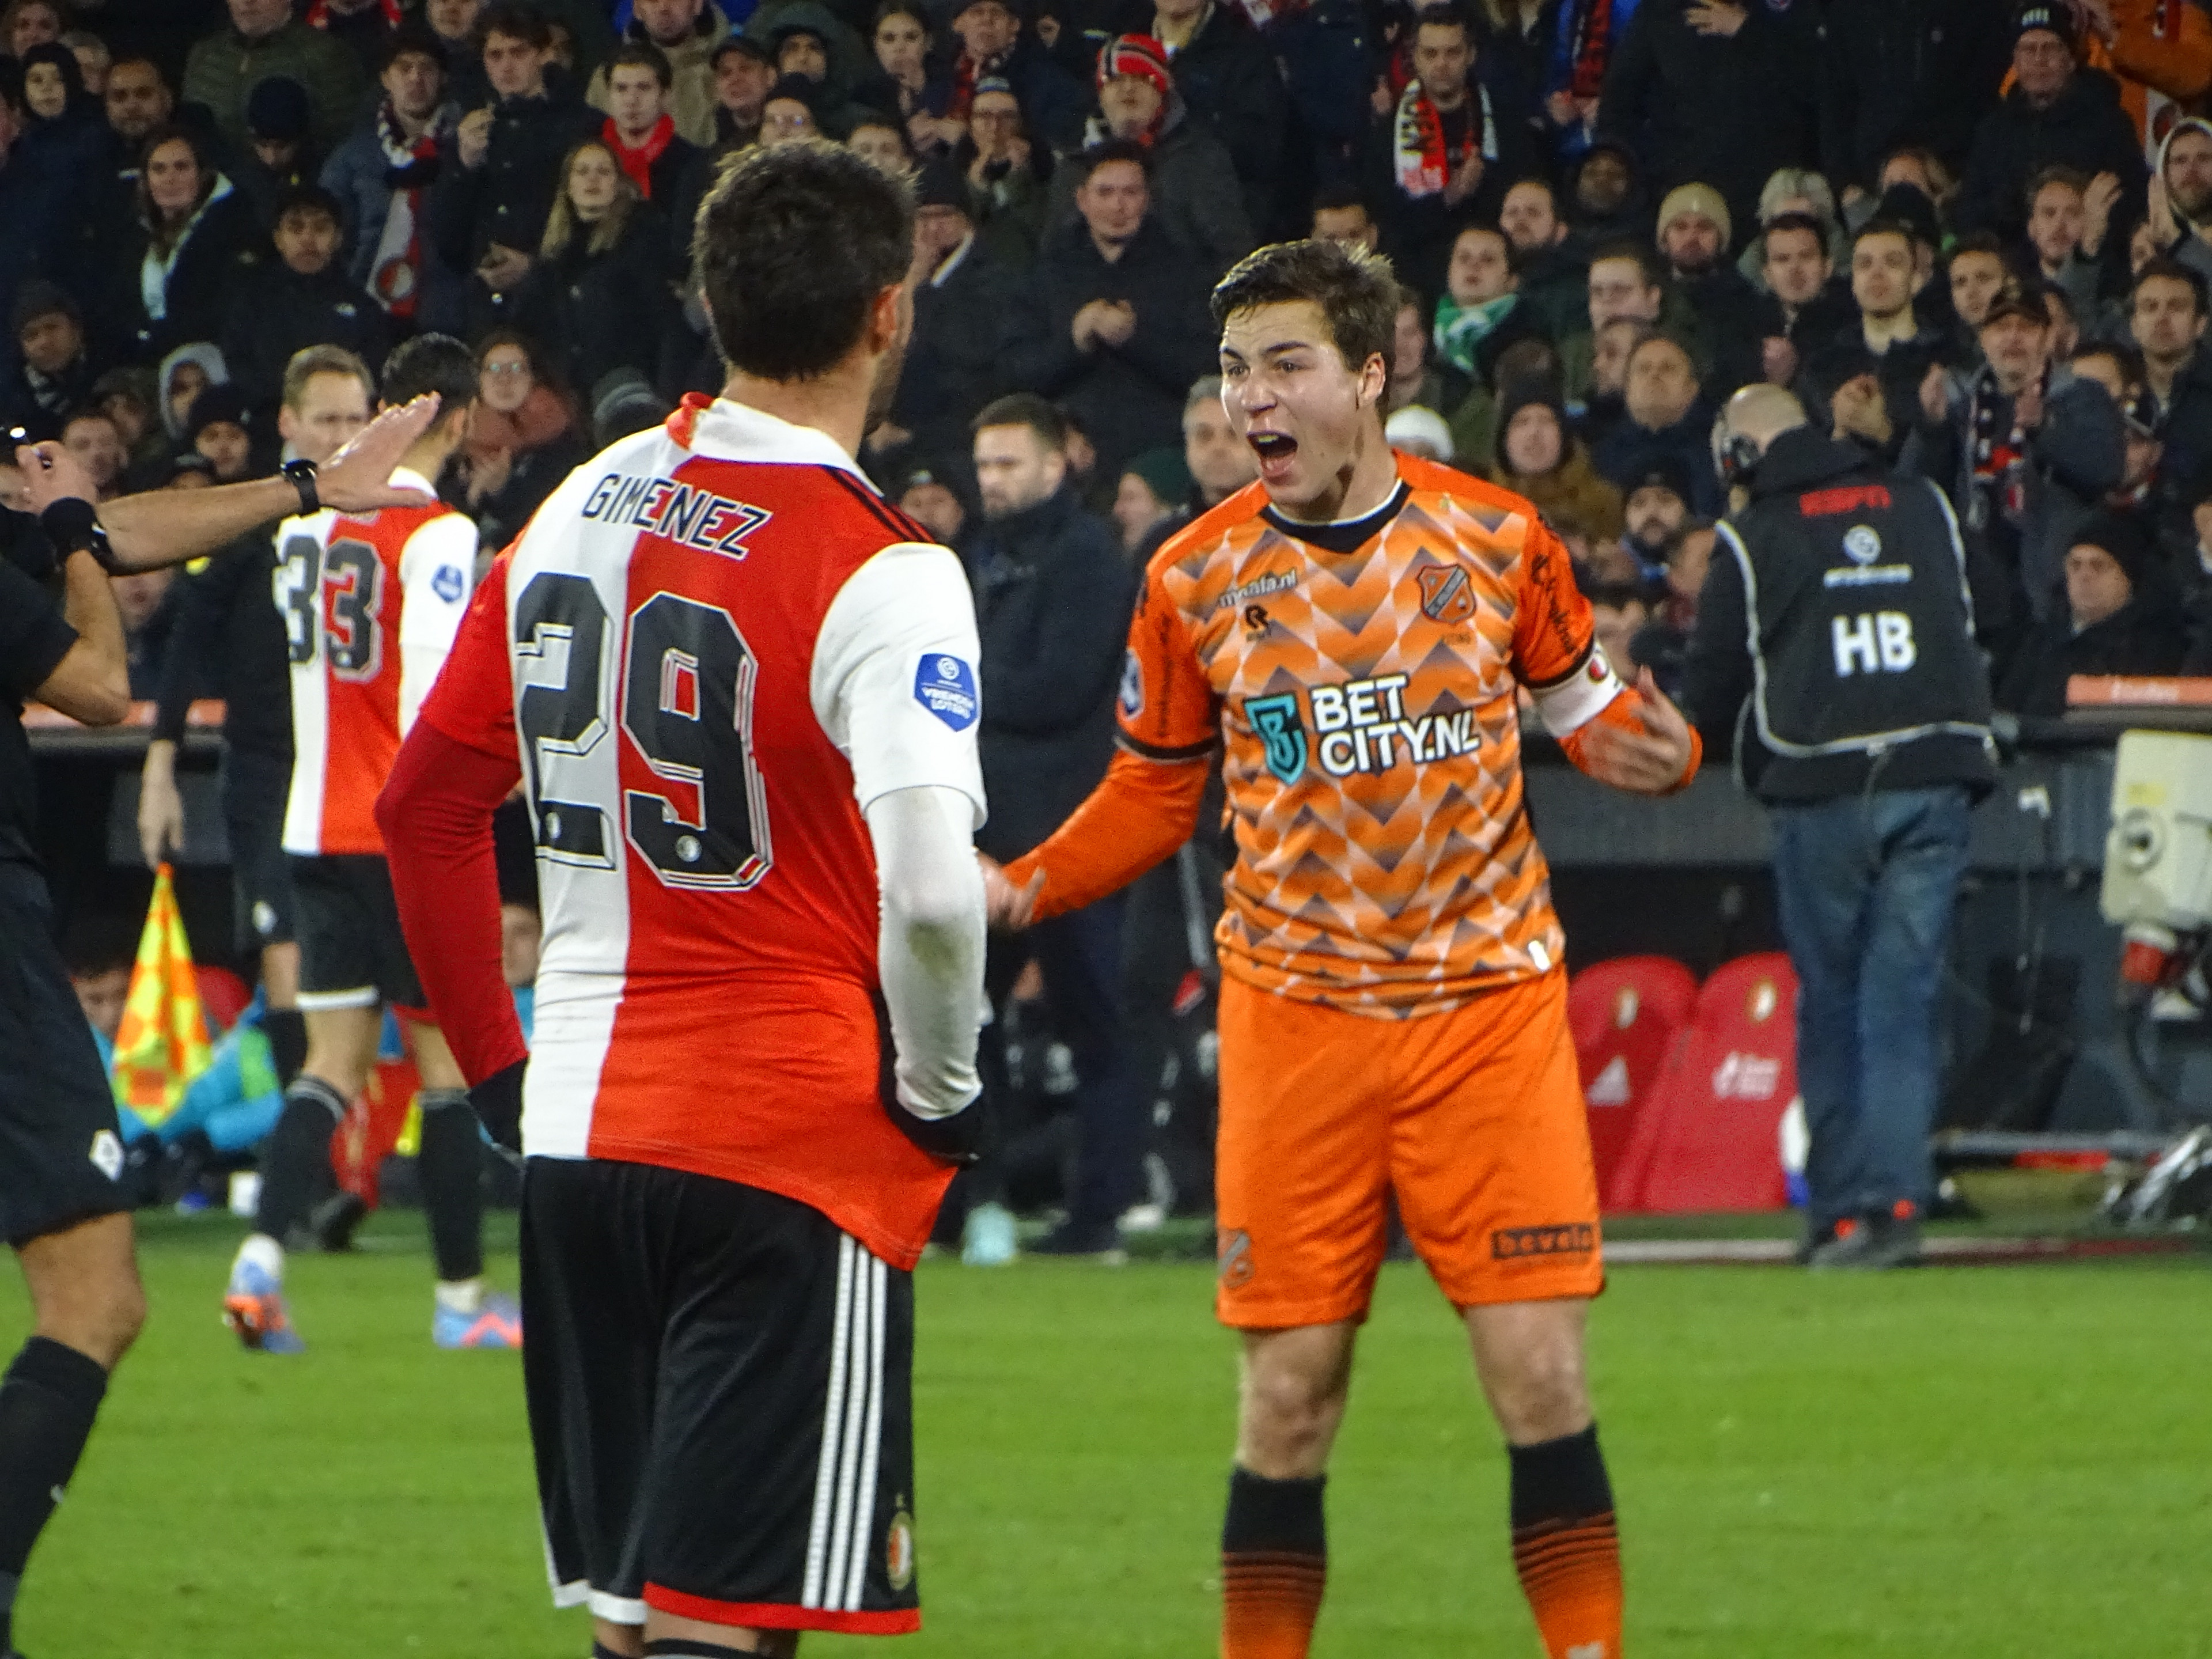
point(371, 605)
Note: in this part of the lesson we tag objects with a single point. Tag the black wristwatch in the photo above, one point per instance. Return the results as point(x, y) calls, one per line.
point(303, 475)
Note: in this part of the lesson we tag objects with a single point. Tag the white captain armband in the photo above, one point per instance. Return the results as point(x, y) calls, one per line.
point(1569, 705)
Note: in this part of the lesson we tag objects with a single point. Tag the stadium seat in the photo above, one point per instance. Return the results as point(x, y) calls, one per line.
point(1708, 1136)
point(223, 997)
point(1626, 1015)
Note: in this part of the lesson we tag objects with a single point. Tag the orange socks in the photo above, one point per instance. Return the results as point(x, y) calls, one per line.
point(1274, 1562)
point(1565, 1546)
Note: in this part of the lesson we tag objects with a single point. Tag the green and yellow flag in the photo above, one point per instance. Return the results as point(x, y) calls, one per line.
point(162, 1043)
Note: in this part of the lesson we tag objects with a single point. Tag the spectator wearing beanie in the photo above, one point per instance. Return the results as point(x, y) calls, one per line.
point(1004, 171)
point(499, 174)
point(1445, 153)
point(1695, 232)
point(301, 298)
point(2058, 113)
point(2111, 623)
point(262, 38)
point(280, 158)
point(1725, 100)
point(1420, 431)
point(686, 33)
point(381, 177)
point(1114, 323)
point(996, 44)
point(53, 372)
point(961, 306)
point(1195, 193)
point(221, 432)
point(1538, 458)
point(176, 270)
point(1153, 489)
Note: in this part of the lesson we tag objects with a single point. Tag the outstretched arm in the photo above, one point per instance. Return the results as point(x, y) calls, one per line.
point(1139, 813)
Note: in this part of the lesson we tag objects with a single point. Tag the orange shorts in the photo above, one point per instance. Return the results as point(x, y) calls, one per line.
point(1474, 1118)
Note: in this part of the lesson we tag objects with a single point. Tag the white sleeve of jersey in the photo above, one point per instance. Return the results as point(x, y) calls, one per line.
point(894, 681)
point(930, 950)
point(437, 572)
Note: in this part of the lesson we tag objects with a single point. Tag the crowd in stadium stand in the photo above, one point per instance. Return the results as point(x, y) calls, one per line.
point(1972, 237)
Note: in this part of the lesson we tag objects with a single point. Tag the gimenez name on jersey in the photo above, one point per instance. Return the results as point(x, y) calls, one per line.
point(685, 514)
point(1361, 727)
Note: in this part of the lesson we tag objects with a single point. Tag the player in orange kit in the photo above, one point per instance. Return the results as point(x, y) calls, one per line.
point(1355, 628)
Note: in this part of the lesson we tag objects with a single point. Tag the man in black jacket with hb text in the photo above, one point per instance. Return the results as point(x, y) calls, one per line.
point(1835, 645)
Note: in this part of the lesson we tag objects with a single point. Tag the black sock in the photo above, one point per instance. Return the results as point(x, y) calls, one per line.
point(451, 1168)
point(287, 1031)
point(1561, 1479)
point(47, 1402)
point(297, 1164)
point(1274, 1564)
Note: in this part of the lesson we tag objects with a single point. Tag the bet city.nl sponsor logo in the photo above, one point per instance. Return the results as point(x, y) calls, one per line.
point(1361, 727)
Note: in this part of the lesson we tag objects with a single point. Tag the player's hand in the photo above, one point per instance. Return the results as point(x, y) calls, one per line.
point(358, 478)
point(1649, 761)
point(1007, 908)
point(497, 1102)
point(160, 805)
point(52, 474)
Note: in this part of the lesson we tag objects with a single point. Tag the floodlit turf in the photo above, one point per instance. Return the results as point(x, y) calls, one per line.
point(1960, 1463)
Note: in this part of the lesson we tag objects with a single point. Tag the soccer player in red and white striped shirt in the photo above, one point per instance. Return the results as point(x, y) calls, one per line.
point(740, 692)
point(371, 603)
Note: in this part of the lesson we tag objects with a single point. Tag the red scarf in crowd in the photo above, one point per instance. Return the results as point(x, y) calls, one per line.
point(1590, 30)
point(319, 15)
point(1420, 161)
point(638, 163)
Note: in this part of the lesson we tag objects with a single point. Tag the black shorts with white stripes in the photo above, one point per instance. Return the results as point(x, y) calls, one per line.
point(720, 1388)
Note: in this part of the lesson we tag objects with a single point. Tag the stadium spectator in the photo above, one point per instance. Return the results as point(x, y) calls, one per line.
point(906, 84)
point(454, 22)
point(1801, 309)
point(1421, 433)
point(1791, 191)
point(29, 23)
point(263, 38)
point(1221, 463)
point(137, 103)
point(685, 32)
point(743, 72)
point(1908, 349)
point(1667, 417)
point(1153, 489)
point(91, 435)
point(1006, 193)
point(994, 47)
point(877, 138)
point(1554, 280)
point(1538, 458)
point(1895, 72)
point(279, 158)
point(220, 433)
point(930, 502)
point(1695, 234)
point(1622, 287)
point(127, 397)
point(381, 177)
point(2024, 456)
point(1053, 595)
point(1620, 611)
point(1196, 197)
point(1114, 323)
point(640, 129)
point(365, 27)
point(302, 298)
point(961, 305)
point(1976, 274)
point(1231, 82)
point(1656, 509)
point(142, 599)
point(2180, 196)
point(1663, 644)
point(65, 129)
point(173, 272)
point(523, 440)
point(789, 116)
point(1340, 214)
point(1480, 314)
point(2166, 319)
point(2067, 219)
point(1713, 91)
point(812, 44)
point(497, 181)
point(54, 370)
point(2058, 113)
point(185, 373)
point(2108, 625)
point(1415, 376)
point(1444, 154)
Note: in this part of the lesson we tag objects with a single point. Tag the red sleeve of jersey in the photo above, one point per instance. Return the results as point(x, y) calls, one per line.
point(435, 812)
point(473, 700)
point(1551, 629)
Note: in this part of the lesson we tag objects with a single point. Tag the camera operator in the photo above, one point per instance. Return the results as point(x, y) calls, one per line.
point(1835, 642)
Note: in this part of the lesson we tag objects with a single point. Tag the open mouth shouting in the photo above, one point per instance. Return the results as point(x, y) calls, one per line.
point(1278, 453)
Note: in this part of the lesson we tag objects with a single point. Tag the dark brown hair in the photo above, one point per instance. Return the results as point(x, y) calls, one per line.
point(1356, 290)
point(1026, 409)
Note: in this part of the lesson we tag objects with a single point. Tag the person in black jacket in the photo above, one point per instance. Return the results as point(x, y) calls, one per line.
point(2113, 622)
point(960, 310)
point(1835, 633)
point(1895, 72)
point(500, 170)
point(598, 292)
point(1114, 323)
point(1234, 88)
point(2058, 113)
point(304, 298)
point(174, 275)
point(1053, 597)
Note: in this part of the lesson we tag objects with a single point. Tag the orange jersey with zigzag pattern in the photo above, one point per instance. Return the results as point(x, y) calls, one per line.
point(1363, 679)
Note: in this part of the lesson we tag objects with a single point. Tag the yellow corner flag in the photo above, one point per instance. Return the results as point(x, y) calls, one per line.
point(162, 1043)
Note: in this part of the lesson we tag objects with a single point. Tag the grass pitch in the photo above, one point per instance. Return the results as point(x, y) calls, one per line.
point(2000, 1462)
